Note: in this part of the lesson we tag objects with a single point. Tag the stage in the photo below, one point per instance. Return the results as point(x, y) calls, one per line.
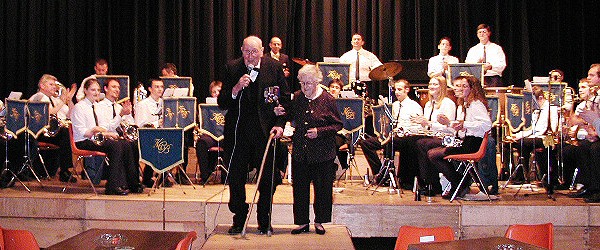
point(53, 216)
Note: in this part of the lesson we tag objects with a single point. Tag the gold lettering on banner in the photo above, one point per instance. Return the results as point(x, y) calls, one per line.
point(218, 118)
point(349, 113)
point(183, 111)
point(465, 73)
point(37, 116)
point(173, 86)
point(514, 109)
point(334, 74)
point(14, 113)
point(170, 113)
point(527, 108)
point(162, 146)
point(550, 96)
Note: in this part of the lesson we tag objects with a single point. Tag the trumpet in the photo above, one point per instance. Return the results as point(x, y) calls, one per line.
point(54, 126)
point(128, 132)
point(98, 138)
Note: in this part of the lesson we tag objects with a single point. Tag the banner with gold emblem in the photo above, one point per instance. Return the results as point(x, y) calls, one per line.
point(528, 107)
point(212, 120)
point(493, 103)
point(15, 116)
point(351, 112)
point(381, 122)
point(39, 116)
point(123, 83)
point(334, 71)
point(178, 86)
point(179, 112)
point(467, 69)
point(161, 148)
point(556, 93)
point(514, 112)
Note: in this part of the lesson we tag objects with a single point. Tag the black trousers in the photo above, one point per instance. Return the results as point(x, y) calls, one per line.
point(322, 175)
point(247, 155)
point(124, 170)
point(408, 167)
point(60, 159)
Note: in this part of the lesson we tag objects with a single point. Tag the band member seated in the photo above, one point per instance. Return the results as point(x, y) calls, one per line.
point(592, 172)
point(123, 176)
point(335, 87)
point(438, 109)
point(205, 142)
point(533, 138)
point(403, 110)
point(148, 113)
point(59, 109)
point(473, 121)
point(581, 137)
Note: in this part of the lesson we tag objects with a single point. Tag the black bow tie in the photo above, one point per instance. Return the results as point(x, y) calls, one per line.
point(256, 69)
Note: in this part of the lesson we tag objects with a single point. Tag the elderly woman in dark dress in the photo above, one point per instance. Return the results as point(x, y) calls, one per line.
point(314, 114)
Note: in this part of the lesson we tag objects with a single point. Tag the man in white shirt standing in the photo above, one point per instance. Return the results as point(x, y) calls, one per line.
point(361, 63)
point(490, 54)
point(438, 65)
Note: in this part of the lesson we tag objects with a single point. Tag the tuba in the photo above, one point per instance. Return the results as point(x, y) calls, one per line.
point(98, 138)
point(128, 132)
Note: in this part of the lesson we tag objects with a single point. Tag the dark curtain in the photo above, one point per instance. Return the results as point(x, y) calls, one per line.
point(64, 37)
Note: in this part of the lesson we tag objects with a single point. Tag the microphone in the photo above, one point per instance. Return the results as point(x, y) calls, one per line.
point(250, 68)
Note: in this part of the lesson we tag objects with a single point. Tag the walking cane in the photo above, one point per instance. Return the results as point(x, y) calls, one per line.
point(262, 164)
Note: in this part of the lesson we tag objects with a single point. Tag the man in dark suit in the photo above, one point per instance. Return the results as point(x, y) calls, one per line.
point(248, 123)
point(276, 45)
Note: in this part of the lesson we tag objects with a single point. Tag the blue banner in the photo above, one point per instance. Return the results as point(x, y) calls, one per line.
point(351, 112)
point(123, 82)
point(381, 122)
point(161, 148)
point(493, 103)
point(39, 115)
point(15, 116)
point(514, 112)
point(472, 69)
point(557, 91)
point(528, 107)
point(335, 71)
point(179, 112)
point(212, 120)
point(178, 83)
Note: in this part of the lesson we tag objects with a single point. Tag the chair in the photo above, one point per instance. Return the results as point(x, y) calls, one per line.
point(541, 235)
point(414, 235)
point(469, 160)
point(81, 153)
point(186, 243)
point(45, 146)
point(17, 239)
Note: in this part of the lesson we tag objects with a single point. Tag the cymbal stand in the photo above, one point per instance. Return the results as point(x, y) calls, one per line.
point(27, 164)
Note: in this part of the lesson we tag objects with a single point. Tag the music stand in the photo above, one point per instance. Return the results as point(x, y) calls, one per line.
point(473, 69)
point(212, 123)
point(180, 112)
point(180, 86)
point(384, 121)
point(351, 112)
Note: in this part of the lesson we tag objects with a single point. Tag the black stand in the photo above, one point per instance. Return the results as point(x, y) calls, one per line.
point(218, 168)
point(27, 159)
point(352, 162)
point(7, 137)
point(387, 167)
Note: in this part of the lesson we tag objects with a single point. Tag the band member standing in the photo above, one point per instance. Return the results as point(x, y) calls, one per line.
point(317, 121)
point(110, 116)
point(473, 121)
point(361, 63)
point(438, 65)
point(86, 124)
point(438, 108)
point(60, 107)
point(248, 123)
point(490, 54)
point(276, 45)
point(402, 110)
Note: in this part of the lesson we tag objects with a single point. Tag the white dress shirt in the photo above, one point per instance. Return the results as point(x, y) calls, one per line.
point(148, 111)
point(407, 108)
point(62, 112)
point(104, 110)
point(436, 64)
point(494, 55)
point(367, 62)
point(539, 119)
point(477, 121)
point(82, 119)
point(447, 108)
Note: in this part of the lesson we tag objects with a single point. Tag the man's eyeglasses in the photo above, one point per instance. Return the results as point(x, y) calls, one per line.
point(310, 83)
point(250, 52)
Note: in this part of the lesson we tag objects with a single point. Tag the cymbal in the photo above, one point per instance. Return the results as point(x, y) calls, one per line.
point(302, 61)
point(385, 71)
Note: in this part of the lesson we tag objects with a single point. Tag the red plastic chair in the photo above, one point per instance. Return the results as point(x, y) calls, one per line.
point(45, 146)
point(469, 160)
point(81, 153)
point(414, 235)
point(186, 243)
point(18, 239)
point(541, 235)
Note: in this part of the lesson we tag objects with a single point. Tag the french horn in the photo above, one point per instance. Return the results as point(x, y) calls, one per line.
point(128, 132)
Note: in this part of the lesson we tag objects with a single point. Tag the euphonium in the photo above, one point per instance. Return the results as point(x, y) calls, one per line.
point(98, 138)
point(128, 132)
point(54, 126)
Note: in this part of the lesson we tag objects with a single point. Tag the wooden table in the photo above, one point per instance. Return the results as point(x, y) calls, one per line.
point(135, 238)
point(483, 243)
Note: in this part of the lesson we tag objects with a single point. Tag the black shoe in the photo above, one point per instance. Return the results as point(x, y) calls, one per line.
point(594, 198)
point(319, 229)
point(265, 230)
point(235, 230)
point(116, 191)
point(138, 189)
point(66, 177)
point(582, 193)
point(301, 229)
